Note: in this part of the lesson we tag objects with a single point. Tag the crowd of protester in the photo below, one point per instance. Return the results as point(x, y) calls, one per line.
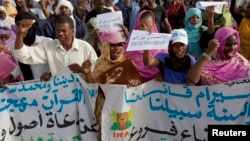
point(41, 39)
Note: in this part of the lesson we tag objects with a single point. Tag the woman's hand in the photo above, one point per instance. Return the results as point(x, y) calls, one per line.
point(125, 30)
point(86, 67)
point(213, 45)
point(210, 11)
point(159, 77)
point(6, 80)
point(2, 83)
point(45, 76)
point(75, 68)
point(5, 49)
point(134, 82)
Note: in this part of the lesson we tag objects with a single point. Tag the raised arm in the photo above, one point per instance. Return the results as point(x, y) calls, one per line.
point(44, 8)
point(194, 73)
point(237, 16)
point(148, 60)
point(22, 28)
point(167, 25)
point(210, 17)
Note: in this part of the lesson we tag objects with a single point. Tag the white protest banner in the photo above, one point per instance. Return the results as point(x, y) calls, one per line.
point(142, 40)
point(62, 110)
point(217, 5)
point(111, 20)
point(59, 110)
point(156, 111)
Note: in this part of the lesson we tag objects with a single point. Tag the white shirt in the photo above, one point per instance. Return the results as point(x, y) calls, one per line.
point(53, 54)
point(37, 69)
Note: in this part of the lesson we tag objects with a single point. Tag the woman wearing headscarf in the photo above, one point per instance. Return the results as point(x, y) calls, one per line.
point(145, 21)
point(112, 56)
point(6, 67)
point(5, 20)
point(243, 22)
point(8, 64)
point(92, 36)
point(221, 62)
point(6, 37)
point(112, 67)
point(10, 8)
point(194, 28)
point(175, 64)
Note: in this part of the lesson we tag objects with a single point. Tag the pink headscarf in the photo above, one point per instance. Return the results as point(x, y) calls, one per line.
point(147, 73)
point(223, 69)
point(6, 30)
point(6, 65)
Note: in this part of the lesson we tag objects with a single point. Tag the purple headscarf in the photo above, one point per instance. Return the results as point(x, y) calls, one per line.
point(147, 73)
point(12, 36)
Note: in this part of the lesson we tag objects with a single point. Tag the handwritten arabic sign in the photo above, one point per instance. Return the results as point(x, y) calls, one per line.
point(142, 40)
point(111, 20)
point(162, 111)
point(58, 110)
point(217, 5)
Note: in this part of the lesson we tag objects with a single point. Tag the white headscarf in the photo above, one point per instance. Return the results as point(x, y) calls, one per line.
point(2, 8)
point(8, 21)
point(2, 21)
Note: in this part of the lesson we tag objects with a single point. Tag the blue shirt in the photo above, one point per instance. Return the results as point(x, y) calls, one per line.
point(169, 75)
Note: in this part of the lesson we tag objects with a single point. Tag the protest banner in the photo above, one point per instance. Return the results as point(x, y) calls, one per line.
point(62, 110)
point(58, 110)
point(143, 40)
point(218, 6)
point(111, 20)
point(156, 111)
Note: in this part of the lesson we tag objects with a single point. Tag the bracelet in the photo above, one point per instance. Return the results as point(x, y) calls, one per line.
point(208, 57)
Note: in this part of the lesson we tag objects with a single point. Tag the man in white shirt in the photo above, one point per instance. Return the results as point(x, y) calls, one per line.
point(36, 69)
point(64, 54)
point(29, 72)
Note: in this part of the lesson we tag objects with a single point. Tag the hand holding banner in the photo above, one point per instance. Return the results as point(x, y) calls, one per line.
point(142, 40)
point(111, 20)
point(217, 5)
